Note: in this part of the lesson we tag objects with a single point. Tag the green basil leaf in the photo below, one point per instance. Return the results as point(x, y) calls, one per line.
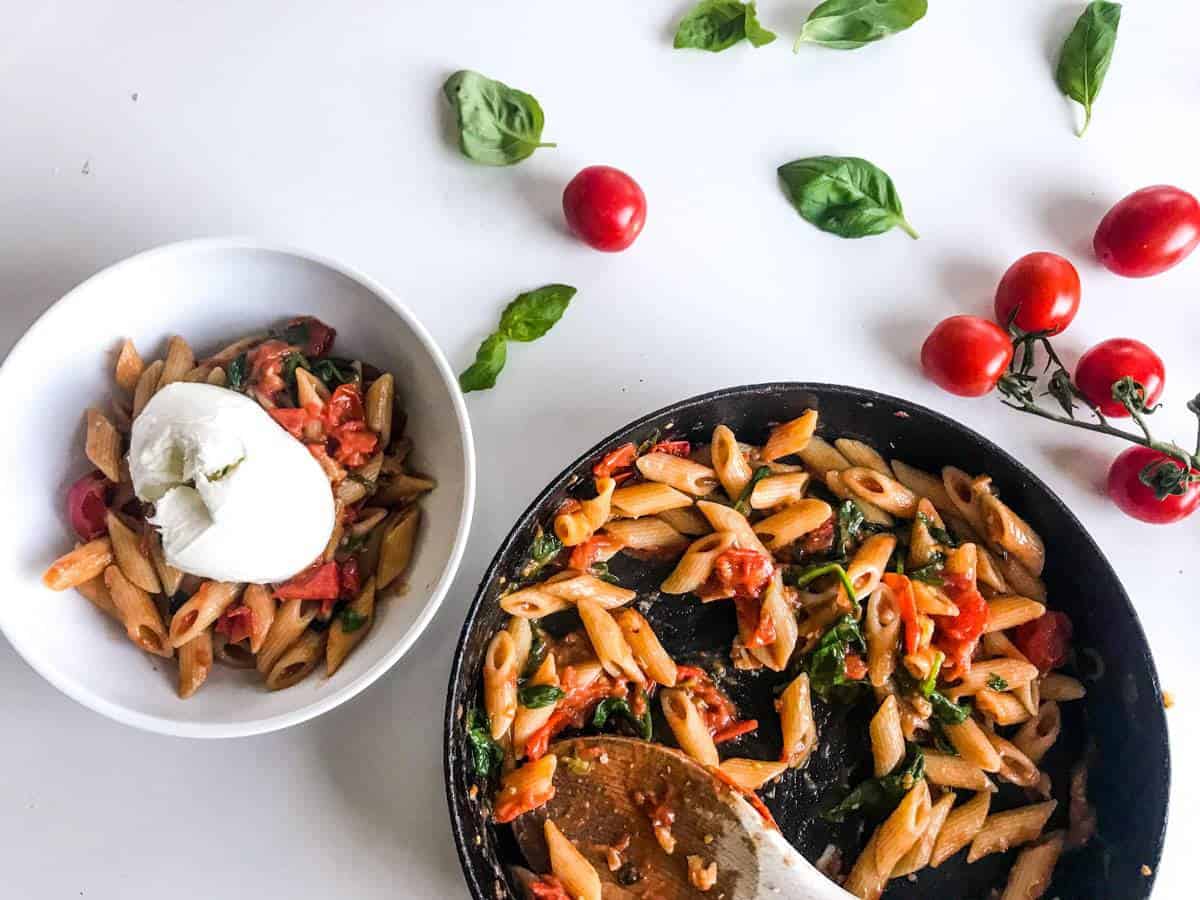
point(939, 534)
point(844, 195)
point(850, 24)
point(717, 25)
point(615, 706)
point(497, 125)
point(538, 648)
point(534, 313)
point(931, 572)
point(236, 372)
point(947, 711)
point(352, 620)
point(536, 696)
point(545, 547)
point(850, 521)
point(826, 665)
point(486, 754)
point(600, 570)
point(489, 360)
point(1086, 54)
point(334, 371)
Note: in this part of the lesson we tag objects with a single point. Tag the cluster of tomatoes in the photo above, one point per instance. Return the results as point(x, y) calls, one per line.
point(1146, 233)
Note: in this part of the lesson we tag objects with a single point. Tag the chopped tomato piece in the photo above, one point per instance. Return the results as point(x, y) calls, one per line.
point(317, 583)
point(717, 709)
point(236, 623)
point(906, 603)
point(1046, 640)
point(674, 448)
point(613, 462)
point(757, 630)
point(957, 636)
point(547, 887)
point(344, 406)
point(572, 711)
point(584, 555)
point(87, 505)
point(292, 420)
point(354, 443)
point(349, 579)
point(819, 539)
point(735, 730)
point(318, 336)
point(856, 669)
point(517, 803)
point(743, 572)
point(266, 366)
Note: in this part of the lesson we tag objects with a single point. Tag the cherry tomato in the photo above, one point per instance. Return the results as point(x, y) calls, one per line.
point(1148, 232)
point(87, 505)
point(1046, 640)
point(1137, 499)
point(966, 355)
point(605, 208)
point(1039, 292)
point(1110, 361)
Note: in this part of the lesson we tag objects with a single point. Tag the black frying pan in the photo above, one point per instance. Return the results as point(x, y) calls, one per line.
point(1122, 714)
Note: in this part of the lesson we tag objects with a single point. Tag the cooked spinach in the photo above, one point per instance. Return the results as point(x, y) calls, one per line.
point(936, 531)
point(876, 797)
point(616, 706)
point(486, 754)
point(536, 696)
point(996, 683)
point(236, 372)
point(826, 665)
point(743, 501)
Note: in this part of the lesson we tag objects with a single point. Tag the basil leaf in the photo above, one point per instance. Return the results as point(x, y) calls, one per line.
point(236, 372)
point(939, 534)
point(489, 360)
point(537, 696)
point(538, 648)
point(545, 548)
point(931, 572)
point(497, 125)
point(615, 706)
point(850, 24)
point(1086, 54)
point(486, 754)
point(334, 372)
point(947, 711)
point(352, 620)
point(743, 501)
point(826, 665)
point(844, 195)
point(534, 313)
point(850, 521)
point(717, 25)
point(876, 797)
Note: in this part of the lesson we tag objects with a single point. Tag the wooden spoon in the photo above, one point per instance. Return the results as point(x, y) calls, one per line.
point(606, 789)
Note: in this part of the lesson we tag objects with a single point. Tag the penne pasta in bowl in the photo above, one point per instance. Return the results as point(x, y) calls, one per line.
point(261, 488)
point(862, 653)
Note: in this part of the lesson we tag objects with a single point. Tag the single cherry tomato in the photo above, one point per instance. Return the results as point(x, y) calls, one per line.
point(966, 355)
point(604, 207)
point(87, 505)
point(1039, 292)
point(1045, 641)
point(1110, 361)
point(1136, 498)
point(1148, 232)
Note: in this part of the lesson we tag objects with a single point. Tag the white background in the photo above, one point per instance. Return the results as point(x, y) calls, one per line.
point(322, 125)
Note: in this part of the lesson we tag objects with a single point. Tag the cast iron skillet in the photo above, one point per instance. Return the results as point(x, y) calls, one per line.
point(1123, 712)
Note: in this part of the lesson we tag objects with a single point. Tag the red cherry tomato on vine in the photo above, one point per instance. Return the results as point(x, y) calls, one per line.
point(1148, 232)
point(1039, 292)
point(1110, 361)
point(966, 355)
point(604, 208)
point(1137, 499)
point(1045, 641)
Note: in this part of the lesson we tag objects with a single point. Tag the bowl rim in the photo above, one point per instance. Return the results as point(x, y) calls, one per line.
point(82, 693)
point(456, 686)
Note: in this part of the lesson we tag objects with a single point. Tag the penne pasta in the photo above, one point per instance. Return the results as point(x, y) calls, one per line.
point(647, 499)
point(378, 407)
point(779, 490)
point(1012, 672)
point(1015, 766)
point(259, 600)
point(903, 828)
point(129, 366)
point(972, 745)
point(570, 866)
point(574, 586)
point(1008, 612)
point(688, 726)
point(923, 484)
point(500, 684)
point(726, 518)
point(347, 630)
point(697, 563)
point(195, 662)
point(146, 387)
point(529, 719)
point(792, 522)
point(988, 572)
point(401, 488)
point(650, 534)
point(955, 772)
point(202, 609)
point(1003, 708)
point(297, 661)
point(1012, 534)
point(820, 457)
point(396, 547)
point(790, 438)
point(960, 828)
point(881, 629)
point(865, 881)
point(796, 722)
point(729, 463)
point(127, 548)
point(752, 774)
point(879, 490)
point(871, 512)
point(887, 739)
point(103, 445)
point(920, 853)
point(681, 474)
point(291, 619)
point(862, 455)
point(82, 564)
point(525, 788)
point(1037, 736)
point(169, 577)
point(777, 654)
point(180, 360)
point(961, 490)
point(648, 651)
point(310, 390)
point(1062, 688)
point(138, 613)
point(866, 568)
point(1004, 830)
point(522, 637)
point(96, 593)
point(532, 603)
point(1031, 874)
point(608, 641)
point(922, 547)
point(686, 520)
point(217, 376)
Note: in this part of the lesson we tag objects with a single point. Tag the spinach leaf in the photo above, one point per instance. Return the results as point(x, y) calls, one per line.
point(844, 195)
point(352, 620)
point(534, 313)
point(877, 797)
point(810, 575)
point(931, 572)
point(526, 318)
point(489, 360)
point(947, 711)
point(717, 25)
point(850, 24)
point(497, 125)
point(939, 534)
point(486, 754)
point(538, 648)
point(1086, 55)
point(545, 547)
point(536, 696)
point(996, 683)
point(826, 665)
point(850, 523)
point(615, 706)
point(291, 363)
point(929, 684)
point(236, 372)
point(600, 570)
point(743, 501)
point(334, 371)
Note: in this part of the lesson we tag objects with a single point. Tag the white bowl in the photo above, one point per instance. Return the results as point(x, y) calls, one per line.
point(211, 292)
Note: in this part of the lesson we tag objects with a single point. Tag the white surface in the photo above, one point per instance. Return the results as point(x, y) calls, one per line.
point(321, 125)
point(212, 292)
